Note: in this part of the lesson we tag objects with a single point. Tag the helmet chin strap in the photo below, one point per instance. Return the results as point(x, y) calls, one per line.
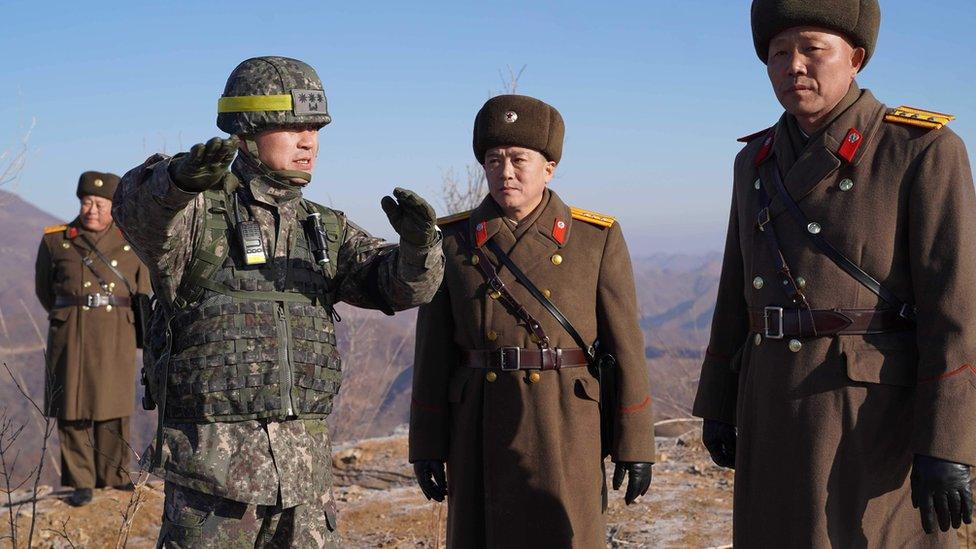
point(282, 176)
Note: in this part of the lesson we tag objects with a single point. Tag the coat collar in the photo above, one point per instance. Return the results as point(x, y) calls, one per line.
point(536, 246)
point(487, 220)
point(824, 154)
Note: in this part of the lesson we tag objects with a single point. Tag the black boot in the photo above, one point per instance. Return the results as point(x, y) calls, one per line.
point(80, 497)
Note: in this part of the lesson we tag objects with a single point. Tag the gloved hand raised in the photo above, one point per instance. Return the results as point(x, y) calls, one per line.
point(719, 440)
point(638, 479)
point(940, 491)
point(411, 216)
point(204, 166)
point(430, 477)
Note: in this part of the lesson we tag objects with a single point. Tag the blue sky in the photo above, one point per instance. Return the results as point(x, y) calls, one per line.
point(654, 93)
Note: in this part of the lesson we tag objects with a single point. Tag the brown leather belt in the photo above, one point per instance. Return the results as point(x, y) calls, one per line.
point(779, 322)
point(91, 300)
point(516, 358)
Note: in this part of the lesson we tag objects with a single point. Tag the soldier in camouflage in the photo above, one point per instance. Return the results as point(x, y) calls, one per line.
point(242, 359)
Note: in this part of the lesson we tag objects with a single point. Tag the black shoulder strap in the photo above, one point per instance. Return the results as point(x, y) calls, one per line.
point(906, 310)
point(541, 298)
point(107, 263)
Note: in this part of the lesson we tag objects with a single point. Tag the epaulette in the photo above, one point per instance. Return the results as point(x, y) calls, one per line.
point(592, 217)
point(54, 229)
point(917, 117)
point(751, 136)
point(454, 218)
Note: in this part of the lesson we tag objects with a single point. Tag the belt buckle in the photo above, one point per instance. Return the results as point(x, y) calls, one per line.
point(504, 361)
point(778, 322)
point(96, 300)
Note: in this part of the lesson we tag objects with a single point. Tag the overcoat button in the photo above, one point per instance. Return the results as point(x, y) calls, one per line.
point(757, 339)
point(534, 377)
point(758, 283)
point(556, 259)
point(814, 228)
point(846, 184)
point(490, 377)
point(474, 260)
point(801, 282)
point(492, 335)
point(795, 345)
point(494, 294)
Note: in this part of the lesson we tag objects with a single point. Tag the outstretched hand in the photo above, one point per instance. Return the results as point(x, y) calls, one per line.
point(411, 216)
point(205, 165)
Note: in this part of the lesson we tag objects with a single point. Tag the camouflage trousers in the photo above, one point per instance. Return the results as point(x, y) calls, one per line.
point(193, 519)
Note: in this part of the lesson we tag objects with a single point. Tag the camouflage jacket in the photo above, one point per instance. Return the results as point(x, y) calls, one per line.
point(256, 461)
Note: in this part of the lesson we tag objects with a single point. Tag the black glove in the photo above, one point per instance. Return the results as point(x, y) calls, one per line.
point(430, 477)
point(412, 218)
point(719, 439)
point(204, 166)
point(940, 490)
point(638, 478)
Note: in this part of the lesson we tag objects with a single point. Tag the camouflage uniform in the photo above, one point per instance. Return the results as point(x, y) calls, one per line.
point(267, 479)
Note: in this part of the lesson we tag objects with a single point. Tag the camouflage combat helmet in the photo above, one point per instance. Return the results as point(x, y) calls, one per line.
point(269, 92)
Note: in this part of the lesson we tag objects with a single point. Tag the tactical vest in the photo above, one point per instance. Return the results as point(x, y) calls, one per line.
point(239, 348)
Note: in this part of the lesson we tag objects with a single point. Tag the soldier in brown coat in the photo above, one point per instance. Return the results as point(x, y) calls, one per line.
point(91, 341)
point(503, 396)
point(839, 379)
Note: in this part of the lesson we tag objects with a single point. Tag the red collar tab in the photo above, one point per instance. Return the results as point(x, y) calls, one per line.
point(480, 233)
point(559, 231)
point(850, 145)
point(767, 147)
point(72, 232)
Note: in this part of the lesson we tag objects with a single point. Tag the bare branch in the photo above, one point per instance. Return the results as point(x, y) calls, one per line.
point(463, 192)
point(13, 160)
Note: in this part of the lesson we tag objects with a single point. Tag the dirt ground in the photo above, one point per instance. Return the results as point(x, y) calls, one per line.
point(689, 505)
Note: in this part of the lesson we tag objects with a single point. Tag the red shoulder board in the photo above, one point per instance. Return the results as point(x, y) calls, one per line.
point(559, 231)
point(480, 233)
point(72, 232)
point(751, 136)
point(850, 145)
point(767, 147)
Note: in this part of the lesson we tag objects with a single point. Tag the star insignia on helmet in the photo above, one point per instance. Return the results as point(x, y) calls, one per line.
point(510, 117)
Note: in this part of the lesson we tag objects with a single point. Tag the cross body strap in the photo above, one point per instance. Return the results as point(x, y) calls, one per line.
point(906, 310)
point(107, 263)
point(541, 298)
point(490, 275)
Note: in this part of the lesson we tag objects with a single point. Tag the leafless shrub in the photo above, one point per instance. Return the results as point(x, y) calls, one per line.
point(463, 192)
point(62, 533)
point(35, 473)
point(510, 80)
point(14, 158)
point(375, 352)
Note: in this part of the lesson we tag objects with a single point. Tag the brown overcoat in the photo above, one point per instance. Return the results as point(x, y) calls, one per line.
point(91, 352)
point(827, 431)
point(523, 459)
